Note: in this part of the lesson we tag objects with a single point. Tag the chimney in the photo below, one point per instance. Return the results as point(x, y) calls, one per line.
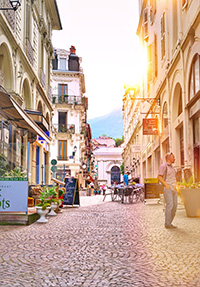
point(73, 50)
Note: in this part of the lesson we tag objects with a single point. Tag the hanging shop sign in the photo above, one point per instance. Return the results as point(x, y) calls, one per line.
point(150, 126)
point(136, 148)
point(13, 195)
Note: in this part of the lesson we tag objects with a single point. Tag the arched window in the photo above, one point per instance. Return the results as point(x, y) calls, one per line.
point(47, 117)
point(194, 84)
point(115, 174)
point(39, 108)
point(180, 105)
point(165, 116)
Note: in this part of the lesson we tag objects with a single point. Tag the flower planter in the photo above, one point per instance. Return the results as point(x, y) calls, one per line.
point(191, 200)
point(42, 214)
point(53, 207)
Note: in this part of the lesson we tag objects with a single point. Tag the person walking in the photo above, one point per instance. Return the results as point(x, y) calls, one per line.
point(125, 178)
point(167, 177)
point(96, 186)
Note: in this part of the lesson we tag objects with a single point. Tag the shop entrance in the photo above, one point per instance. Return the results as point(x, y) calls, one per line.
point(115, 174)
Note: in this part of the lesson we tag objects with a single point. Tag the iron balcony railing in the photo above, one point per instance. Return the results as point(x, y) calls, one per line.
point(63, 128)
point(70, 100)
point(64, 157)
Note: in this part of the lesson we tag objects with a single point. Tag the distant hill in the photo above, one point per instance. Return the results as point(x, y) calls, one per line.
point(110, 125)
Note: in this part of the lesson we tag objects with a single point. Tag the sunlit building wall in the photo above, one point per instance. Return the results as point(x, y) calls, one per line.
point(170, 33)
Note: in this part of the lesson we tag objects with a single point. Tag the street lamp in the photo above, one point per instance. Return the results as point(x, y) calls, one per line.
point(15, 5)
point(132, 93)
point(74, 152)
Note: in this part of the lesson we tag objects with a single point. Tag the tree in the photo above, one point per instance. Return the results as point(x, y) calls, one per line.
point(122, 168)
point(119, 141)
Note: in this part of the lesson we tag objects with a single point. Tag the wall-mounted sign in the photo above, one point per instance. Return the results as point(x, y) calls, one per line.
point(150, 126)
point(13, 195)
point(136, 148)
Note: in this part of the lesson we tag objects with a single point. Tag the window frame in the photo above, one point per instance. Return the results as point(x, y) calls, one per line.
point(192, 78)
point(62, 149)
point(163, 33)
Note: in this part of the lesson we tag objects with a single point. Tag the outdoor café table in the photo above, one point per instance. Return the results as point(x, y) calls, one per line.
point(117, 192)
point(123, 191)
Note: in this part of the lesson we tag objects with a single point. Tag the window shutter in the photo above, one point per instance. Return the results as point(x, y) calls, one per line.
point(150, 66)
point(155, 59)
point(145, 24)
point(163, 35)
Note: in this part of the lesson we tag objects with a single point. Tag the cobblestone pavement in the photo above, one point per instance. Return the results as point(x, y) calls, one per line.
point(102, 244)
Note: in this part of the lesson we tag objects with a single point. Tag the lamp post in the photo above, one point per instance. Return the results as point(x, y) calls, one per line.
point(15, 4)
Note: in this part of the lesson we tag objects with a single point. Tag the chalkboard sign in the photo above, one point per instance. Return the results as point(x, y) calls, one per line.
point(151, 190)
point(72, 192)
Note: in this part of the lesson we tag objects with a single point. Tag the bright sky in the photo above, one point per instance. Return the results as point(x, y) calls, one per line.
point(104, 34)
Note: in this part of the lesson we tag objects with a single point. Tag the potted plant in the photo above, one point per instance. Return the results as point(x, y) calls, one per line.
point(4, 166)
point(44, 205)
point(190, 194)
point(16, 173)
point(66, 98)
point(54, 203)
point(72, 128)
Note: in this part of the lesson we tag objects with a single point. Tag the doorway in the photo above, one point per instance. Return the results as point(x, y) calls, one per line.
point(115, 174)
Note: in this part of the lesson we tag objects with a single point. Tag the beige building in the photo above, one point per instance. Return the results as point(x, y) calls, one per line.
point(107, 160)
point(69, 146)
point(162, 113)
point(26, 52)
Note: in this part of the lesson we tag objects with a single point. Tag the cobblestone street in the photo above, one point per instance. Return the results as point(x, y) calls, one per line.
point(102, 244)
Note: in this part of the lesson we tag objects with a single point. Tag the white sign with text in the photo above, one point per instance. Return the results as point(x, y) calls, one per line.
point(13, 196)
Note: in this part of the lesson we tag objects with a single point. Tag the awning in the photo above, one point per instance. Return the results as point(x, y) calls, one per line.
point(12, 111)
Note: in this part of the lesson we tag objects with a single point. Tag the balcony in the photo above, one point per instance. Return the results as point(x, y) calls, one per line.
point(39, 119)
point(70, 100)
point(64, 157)
point(63, 128)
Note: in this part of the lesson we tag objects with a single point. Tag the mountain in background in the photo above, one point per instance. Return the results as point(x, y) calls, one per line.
point(110, 125)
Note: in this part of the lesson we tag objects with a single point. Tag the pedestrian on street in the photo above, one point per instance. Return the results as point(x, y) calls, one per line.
point(125, 178)
point(96, 186)
point(167, 177)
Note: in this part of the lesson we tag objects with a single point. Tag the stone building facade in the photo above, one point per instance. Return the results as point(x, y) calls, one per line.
point(26, 52)
point(70, 145)
point(170, 91)
point(107, 161)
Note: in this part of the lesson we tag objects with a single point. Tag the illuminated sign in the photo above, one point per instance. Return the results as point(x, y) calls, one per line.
point(150, 126)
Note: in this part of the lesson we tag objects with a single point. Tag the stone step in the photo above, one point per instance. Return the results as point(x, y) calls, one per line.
point(17, 218)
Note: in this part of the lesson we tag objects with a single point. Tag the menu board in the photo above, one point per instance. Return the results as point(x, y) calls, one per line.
point(151, 190)
point(72, 196)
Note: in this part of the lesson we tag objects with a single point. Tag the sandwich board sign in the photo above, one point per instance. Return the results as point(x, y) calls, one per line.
point(72, 196)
